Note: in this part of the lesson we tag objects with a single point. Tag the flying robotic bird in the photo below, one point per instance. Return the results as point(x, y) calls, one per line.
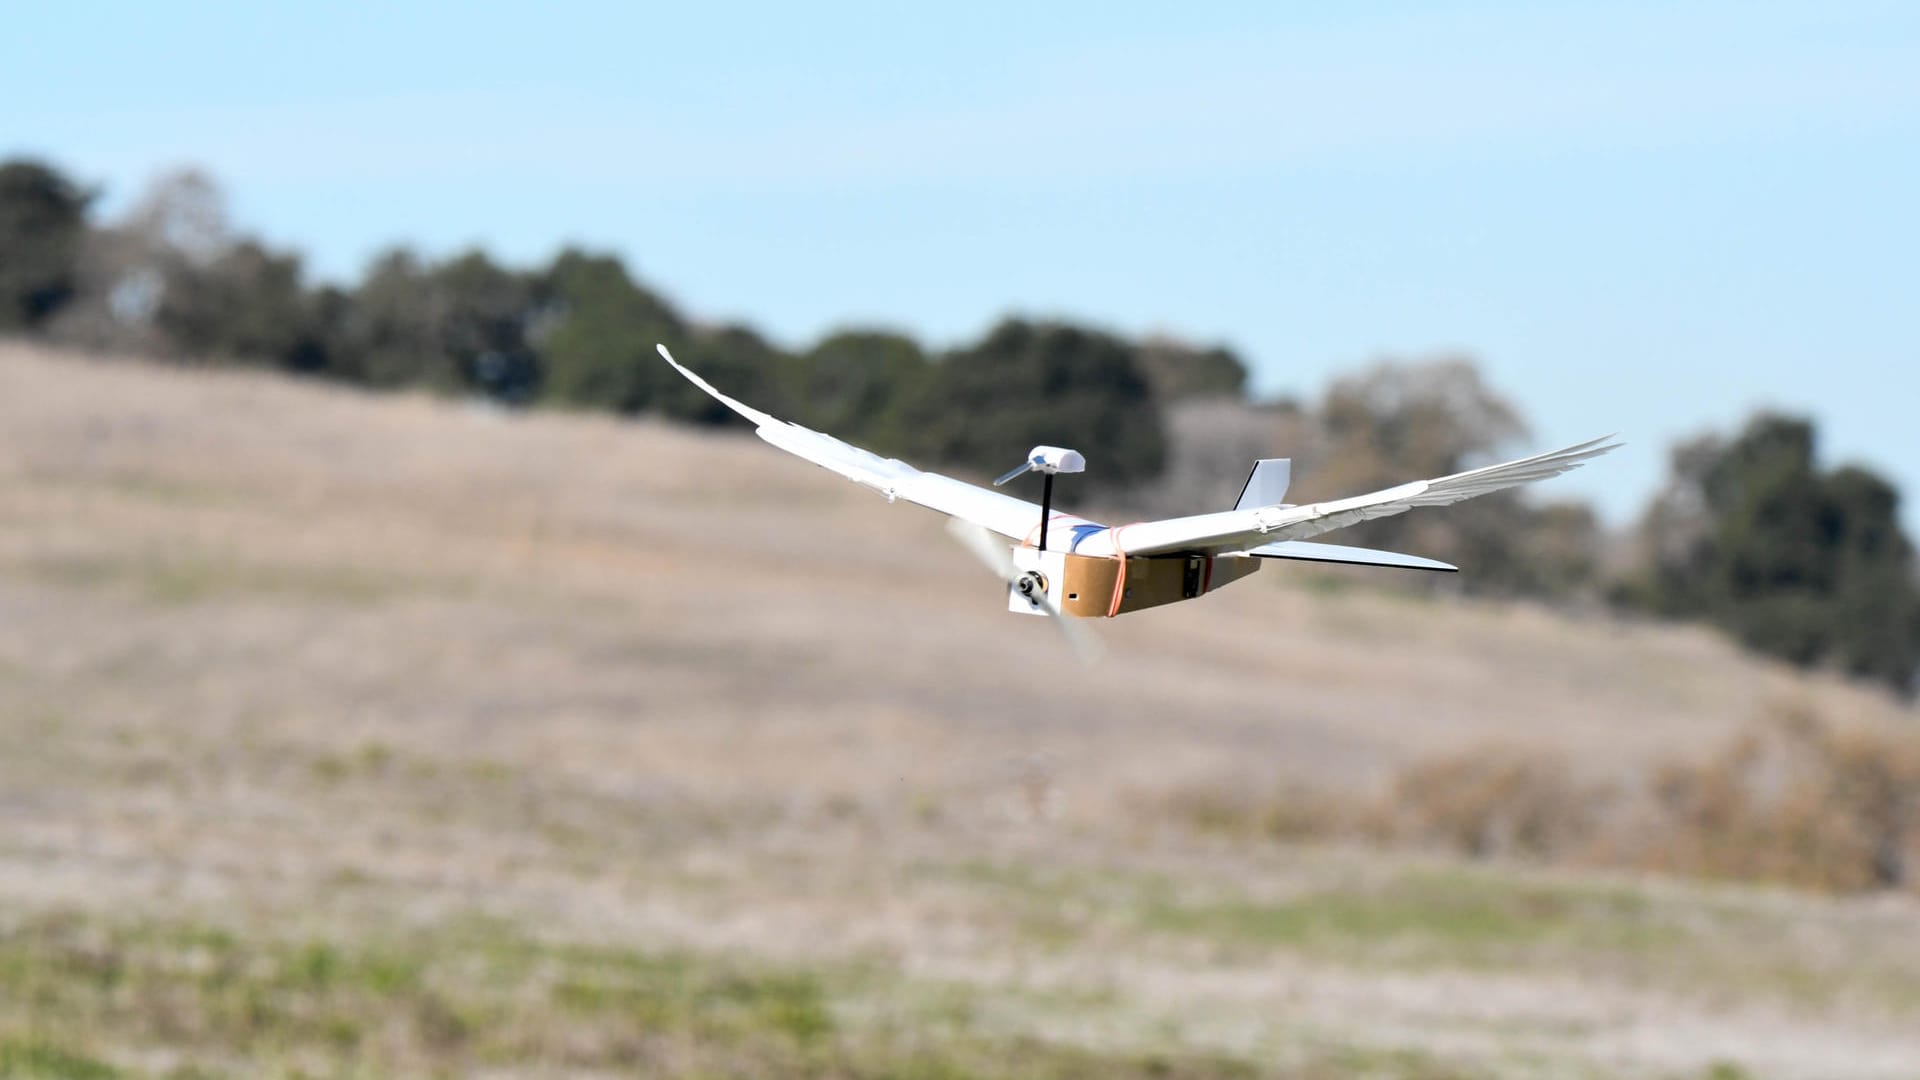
point(1068, 567)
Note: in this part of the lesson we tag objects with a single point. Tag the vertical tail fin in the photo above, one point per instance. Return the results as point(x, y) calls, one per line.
point(1266, 484)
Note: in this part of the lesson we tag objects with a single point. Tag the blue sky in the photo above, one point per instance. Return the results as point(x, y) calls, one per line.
point(1645, 218)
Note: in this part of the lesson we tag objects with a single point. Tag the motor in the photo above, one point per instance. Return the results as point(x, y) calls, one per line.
point(1033, 586)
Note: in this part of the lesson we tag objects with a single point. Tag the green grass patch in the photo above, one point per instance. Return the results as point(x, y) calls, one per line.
point(1431, 916)
point(478, 995)
point(1443, 906)
point(1420, 916)
point(33, 1058)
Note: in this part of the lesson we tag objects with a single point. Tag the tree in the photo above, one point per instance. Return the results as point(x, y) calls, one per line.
point(131, 268)
point(1396, 422)
point(462, 325)
point(598, 331)
point(483, 312)
point(43, 218)
point(1876, 593)
point(1807, 565)
point(184, 215)
point(1029, 383)
point(1178, 371)
point(246, 303)
point(855, 384)
point(172, 278)
point(1212, 442)
point(1399, 421)
point(390, 335)
point(742, 364)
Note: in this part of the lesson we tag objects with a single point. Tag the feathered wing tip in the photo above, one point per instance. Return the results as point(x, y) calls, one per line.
point(759, 418)
point(1491, 478)
point(1301, 522)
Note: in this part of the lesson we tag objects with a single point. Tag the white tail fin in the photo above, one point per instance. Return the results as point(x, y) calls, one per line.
point(1266, 484)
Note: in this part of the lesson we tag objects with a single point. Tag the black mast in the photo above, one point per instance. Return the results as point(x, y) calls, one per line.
point(1046, 508)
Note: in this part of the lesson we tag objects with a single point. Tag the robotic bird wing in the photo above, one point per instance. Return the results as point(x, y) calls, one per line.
point(989, 509)
point(1245, 531)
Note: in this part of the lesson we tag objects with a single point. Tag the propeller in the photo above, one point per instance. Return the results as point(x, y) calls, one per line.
point(1021, 469)
point(995, 556)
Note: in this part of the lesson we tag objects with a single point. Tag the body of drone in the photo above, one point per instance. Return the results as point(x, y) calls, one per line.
point(1069, 567)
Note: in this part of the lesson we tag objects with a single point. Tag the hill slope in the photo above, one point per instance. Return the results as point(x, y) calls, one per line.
point(284, 663)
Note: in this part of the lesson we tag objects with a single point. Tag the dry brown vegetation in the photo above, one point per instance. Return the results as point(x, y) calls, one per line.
point(372, 736)
point(1802, 803)
point(1794, 801)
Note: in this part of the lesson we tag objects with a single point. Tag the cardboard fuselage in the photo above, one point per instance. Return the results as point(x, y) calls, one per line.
point(1094, 586)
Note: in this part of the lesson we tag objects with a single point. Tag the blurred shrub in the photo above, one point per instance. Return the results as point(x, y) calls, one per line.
point(1289, 811)
point(1493, 801)
point(1795, 801)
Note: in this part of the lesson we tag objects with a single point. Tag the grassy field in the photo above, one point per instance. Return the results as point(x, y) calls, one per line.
point(350, 736)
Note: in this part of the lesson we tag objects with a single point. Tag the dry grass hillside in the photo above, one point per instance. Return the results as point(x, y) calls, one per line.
point(384, 735)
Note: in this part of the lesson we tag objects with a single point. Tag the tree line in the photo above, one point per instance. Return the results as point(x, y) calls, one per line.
point(1797, 561)
point(171, 278)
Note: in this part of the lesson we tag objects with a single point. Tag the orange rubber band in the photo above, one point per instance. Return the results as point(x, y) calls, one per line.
point(1120, 579)
point(1035, 531)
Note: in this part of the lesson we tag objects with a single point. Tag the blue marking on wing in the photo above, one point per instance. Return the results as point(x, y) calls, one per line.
point(1081, 532)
